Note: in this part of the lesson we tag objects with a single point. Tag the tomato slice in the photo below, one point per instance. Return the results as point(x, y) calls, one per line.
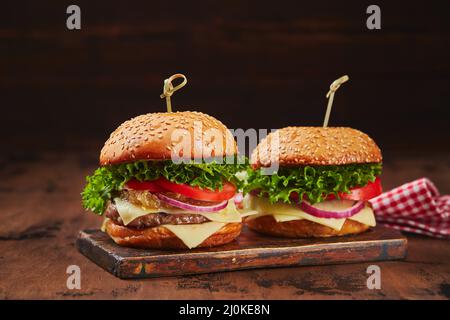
point(369, 191)
point(197, 193)
point(151, 186)
point(160, 185)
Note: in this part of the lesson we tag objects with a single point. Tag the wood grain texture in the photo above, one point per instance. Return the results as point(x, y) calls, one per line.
point(249, 251)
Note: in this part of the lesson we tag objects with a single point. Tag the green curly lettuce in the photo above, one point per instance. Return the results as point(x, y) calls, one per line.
point(314, 183)
point(105, 181)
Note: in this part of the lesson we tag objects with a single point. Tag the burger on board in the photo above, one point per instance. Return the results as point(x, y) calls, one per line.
point(325, 178)
point(150, 201)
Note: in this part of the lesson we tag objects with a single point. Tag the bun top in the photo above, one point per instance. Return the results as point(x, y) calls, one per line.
point(154, 136)
point(300, 146)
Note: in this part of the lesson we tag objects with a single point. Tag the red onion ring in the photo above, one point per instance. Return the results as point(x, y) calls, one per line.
point(187, 206)
point(308, 208)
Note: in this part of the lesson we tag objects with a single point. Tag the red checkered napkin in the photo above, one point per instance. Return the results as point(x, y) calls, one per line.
point(415, 207)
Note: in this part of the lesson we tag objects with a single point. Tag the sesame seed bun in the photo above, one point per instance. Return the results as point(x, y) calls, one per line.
point(301, 228)
point(316, 146)
point(163, 238)
point(149, 137)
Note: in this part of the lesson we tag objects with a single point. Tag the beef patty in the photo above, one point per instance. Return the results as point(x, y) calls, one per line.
point(154, 219)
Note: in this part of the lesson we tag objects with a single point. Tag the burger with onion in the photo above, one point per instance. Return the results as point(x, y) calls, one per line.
point(149, 200)
point(321, 188)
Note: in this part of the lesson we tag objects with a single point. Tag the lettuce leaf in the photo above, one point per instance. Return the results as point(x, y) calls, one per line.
point(313, 182)
point(105, 181)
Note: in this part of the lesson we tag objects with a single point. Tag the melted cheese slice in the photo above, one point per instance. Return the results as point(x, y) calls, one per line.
point(229, 214)
point(365, 216)
point(128, 212)
point(194, 234)
point(283, 212)
point(103, 227)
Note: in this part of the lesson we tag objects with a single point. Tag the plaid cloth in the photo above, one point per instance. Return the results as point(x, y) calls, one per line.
point(415, 207)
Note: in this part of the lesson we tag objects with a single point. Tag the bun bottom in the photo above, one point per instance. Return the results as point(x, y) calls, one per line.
point(163, 238)
point(301, 228)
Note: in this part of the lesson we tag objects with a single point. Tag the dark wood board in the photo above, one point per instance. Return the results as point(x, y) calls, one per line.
point(249, 251)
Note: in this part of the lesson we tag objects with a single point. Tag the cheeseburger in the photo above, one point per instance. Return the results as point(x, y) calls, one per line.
point(149, 200)
point(321, 188)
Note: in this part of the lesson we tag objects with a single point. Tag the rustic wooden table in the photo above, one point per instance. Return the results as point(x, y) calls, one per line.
point(41, 216)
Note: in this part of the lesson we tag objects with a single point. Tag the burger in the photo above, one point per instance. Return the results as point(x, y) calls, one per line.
point(320, 186)
point(166, 180)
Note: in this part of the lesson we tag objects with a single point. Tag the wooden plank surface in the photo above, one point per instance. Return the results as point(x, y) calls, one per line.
point(42, 216)
point(249, 251)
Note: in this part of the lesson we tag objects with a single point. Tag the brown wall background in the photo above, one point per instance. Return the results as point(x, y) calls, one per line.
point(252, 64)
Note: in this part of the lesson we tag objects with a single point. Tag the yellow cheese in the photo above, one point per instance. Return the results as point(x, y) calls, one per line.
point(103, 227)
point(283, 212)
point(285, 218)
point(128, 212)
point(229, 214)
point(246, 207)
point(365, 216)
point(194, 234)
point(248, 213)
point(332, 223)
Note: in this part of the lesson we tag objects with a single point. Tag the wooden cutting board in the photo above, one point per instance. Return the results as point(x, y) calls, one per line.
point(249, 251)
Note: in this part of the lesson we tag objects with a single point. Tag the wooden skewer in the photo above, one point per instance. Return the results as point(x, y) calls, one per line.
point(330, 95)
point(169, 89)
